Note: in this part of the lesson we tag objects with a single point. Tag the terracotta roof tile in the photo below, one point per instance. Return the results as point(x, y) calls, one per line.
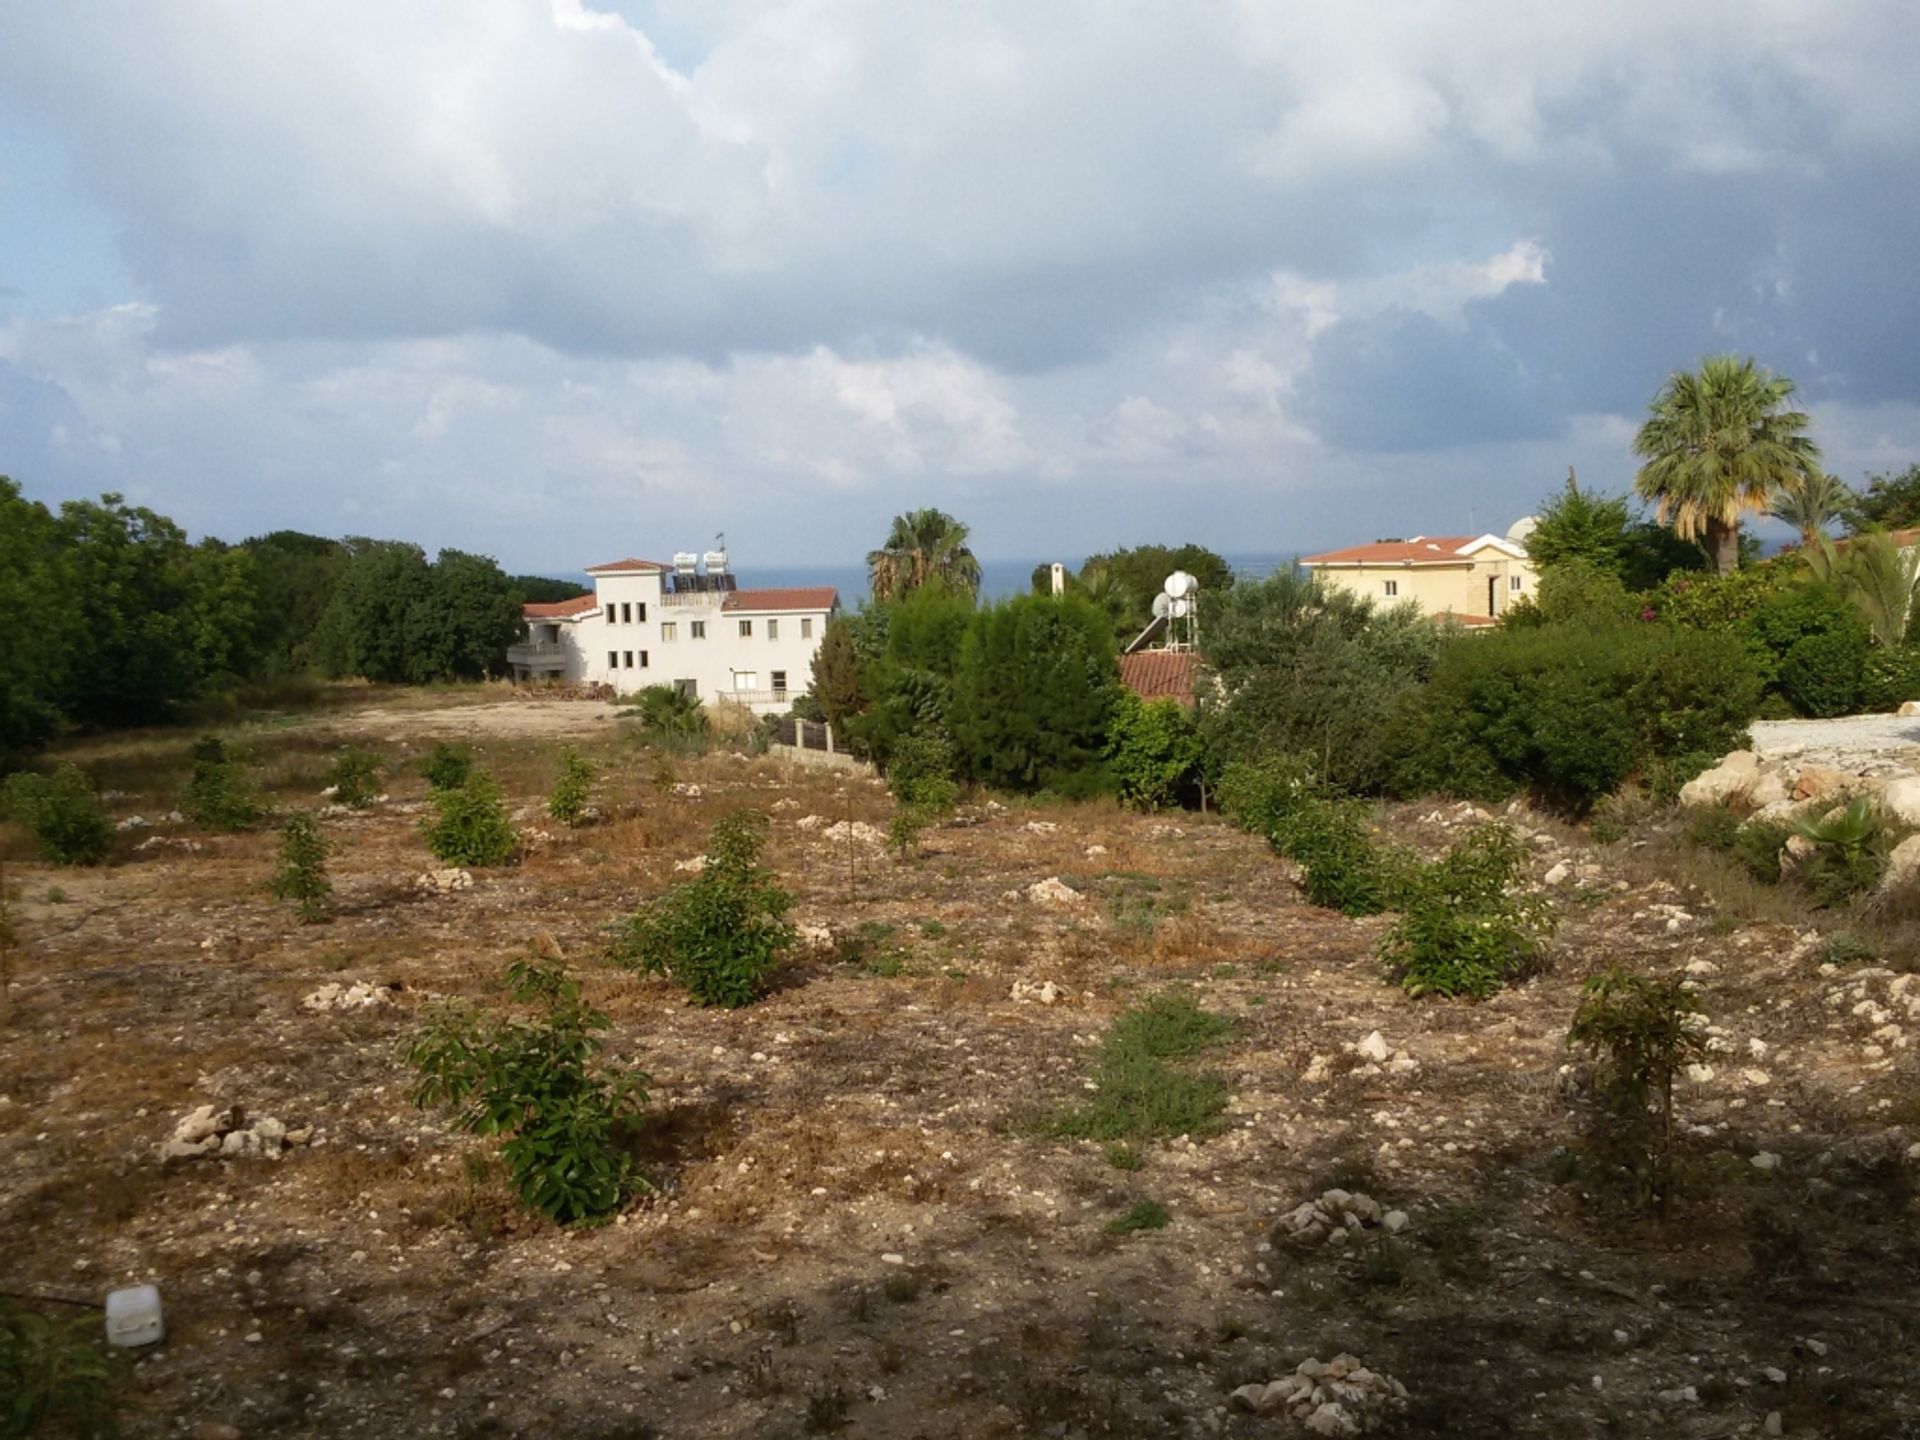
point(559, 609)
point(1431, 548)
point(800, 597)
point(627, 564)
point(1159, 674)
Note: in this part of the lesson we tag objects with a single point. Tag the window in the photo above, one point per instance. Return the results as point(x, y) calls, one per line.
point(699, 629)
point(744, 680)
point(610, 616)
point(746, 627)
point(1513, 582)
point(626, 614)
point(806, 629)
point(643, 612)
point(613, 659)
point(629, 660)
point(688, 688)
point(669, 630)
point(643, 659)
point(779, 682)
point(773, 629)
point(1393, 587)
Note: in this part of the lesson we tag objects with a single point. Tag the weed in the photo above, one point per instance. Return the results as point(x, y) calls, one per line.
point(56, 896)
point(62, 813)
point(302, 876)
point(447, 767)
point(1386, 1264)
point(829, 1406)
point(932, 929)
point(1714, 827)
point(1641, 1032)
point(538, 1082)
point(901, 1287)
point(723, 933)
point(1462, 933)
point(469, 825)
point(1756, 849)
point(1122, 1156)
point(1135, 916)
point(568, 802)
point(55, 1376)
point(355, 778)
point(219, 796)
point(1145, 1215)
point(1849, 853)
point(1138, 1095)
point(782, 1320)
point(1846, 948)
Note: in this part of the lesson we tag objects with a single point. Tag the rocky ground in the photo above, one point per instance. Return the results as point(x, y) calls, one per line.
point(855, 1227)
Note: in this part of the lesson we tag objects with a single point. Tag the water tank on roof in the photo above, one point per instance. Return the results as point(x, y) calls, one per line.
point(716, 562)
point(684, 562)
point(1521, 529)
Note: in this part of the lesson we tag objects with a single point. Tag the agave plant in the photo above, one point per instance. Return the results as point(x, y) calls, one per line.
point(1849, 852)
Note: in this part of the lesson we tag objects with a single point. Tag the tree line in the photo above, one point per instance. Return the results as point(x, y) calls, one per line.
point(116, 618)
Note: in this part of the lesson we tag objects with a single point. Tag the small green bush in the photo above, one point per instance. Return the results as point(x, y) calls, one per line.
point(355, 779)
point(1153, 752)
point(539, 1082)
point(219, 795)
point(1756, 849)
point(62, 813)
point(1145, 1215)
point(1461, 931)
point(1139, 1095)
point(1259, 795)
point(722, 934)
point(1641, 1033)
point(56, 1377)
point(302, 875)
point(568, 802)
point(1849, 853)
point(1342, 868)
point(469, 825)
point(1712, 827)
point(447, 767)
point(1825, 674)
point(666, 713)
point(920, 770)
point(1891, 676)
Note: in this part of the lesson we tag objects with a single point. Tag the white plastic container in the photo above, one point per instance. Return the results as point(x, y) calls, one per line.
point(133, 1316)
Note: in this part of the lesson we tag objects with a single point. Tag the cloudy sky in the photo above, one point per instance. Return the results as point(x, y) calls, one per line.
point(558, 279)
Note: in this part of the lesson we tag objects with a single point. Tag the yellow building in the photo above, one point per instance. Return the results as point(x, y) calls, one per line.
point(1468, 578)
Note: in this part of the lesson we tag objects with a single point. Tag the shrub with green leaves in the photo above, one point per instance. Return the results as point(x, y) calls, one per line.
point(1849, 853)
point(447, 767)
point(302, 874)
point(920, 778)
point(1154, 751)
point(1825, 674)
point(1463, 931)
point(1341, 866)
point(56, 1376)
point(62, 813)
point(665, 712)
point(540, 1082)
point(1756, 849)
point(1262, 793)
point(219, 795)
point(355, 778)
point(722, 934)
point(1139, 1093)
point(469, 825)
point(1640, 1032)
point(568, 802)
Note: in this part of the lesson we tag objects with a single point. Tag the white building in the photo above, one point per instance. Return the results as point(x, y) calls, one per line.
point(685, 625)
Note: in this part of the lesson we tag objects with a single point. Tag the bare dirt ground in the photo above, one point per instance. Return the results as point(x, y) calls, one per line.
point(855, 1228)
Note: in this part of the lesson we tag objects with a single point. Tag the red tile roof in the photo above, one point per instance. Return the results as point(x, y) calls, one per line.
point(1159, 674)
point(1433, 549)
point(628, 564)
point(559, 609)
point(802, 597)
point(1470, 622)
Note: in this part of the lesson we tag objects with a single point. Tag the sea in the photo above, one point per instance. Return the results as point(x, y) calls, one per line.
point(999, 579)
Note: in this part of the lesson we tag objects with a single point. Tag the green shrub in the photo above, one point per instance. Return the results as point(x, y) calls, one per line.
point(1793, 613)
point(1145, 1215)
point(1641, 1033)
point(1712, 827)
point(1342, 868)
point(920, 778)
point(722, 934)
point(62, 813)
point(1849, 853)
point(1153, 751)
point(665, 712)
point(56, 1376)
point(219, 796)
point(1891, 677)
point(539, 1082)
point(1260, 794)
point(447, 767)
point(568, 802)
point(355, 779)
point(469, 825)
point(302, 874)
point(1756, 849)
point(1138, 1094)
point(1824, 674)
point(1572, 712)
point(1461, 931)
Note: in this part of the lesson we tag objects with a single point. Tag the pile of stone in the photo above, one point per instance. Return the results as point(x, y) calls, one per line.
point(1376, 1055)
point(1340, 1396)
point(357, 996)
point(1039, 992)
point(1050, 891)
point(443, 882)
point(1335, 1218)
point(223, 1131)
point(857, 831)
point(688, 792)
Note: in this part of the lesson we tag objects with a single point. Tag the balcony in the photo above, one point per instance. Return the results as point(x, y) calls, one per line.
point(538, 655)
point(757, 700)
point(693, 598)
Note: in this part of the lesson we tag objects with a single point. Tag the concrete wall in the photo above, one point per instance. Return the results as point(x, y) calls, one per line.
point(1458, 589)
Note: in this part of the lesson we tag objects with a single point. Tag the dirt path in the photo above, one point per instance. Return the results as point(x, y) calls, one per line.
point(508, 718)
point(1852, 742)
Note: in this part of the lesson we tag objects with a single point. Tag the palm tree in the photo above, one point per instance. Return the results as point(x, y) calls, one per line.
point(1718, 445)
point(923, 545)
point(1811, 502)
point(1876, 575)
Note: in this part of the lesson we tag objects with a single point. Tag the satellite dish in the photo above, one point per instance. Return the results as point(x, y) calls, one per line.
point(1162, 606)
point(1180, 584)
